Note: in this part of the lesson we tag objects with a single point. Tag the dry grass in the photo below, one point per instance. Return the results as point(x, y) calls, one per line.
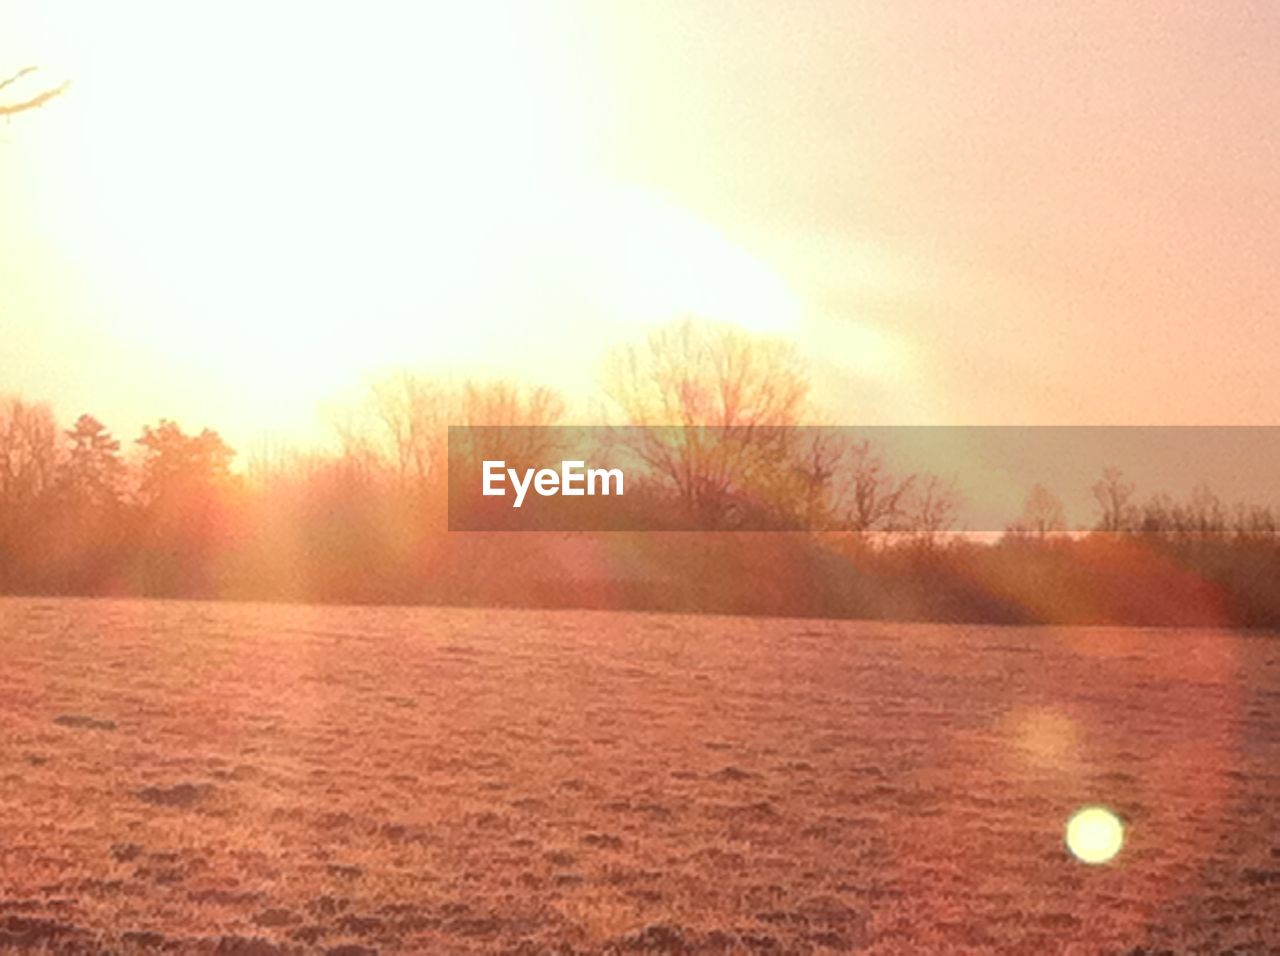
point(256, 779)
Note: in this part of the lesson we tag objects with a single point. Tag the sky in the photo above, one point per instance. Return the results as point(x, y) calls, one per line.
point(982, 213)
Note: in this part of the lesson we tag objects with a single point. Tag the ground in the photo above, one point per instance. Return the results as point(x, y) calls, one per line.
point(261, 779)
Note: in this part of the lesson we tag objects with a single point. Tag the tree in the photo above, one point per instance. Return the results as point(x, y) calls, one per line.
point(28, 470)
point(734, 396)
point(1112, 493)
point(189, 500)
point(28, 454)
point(507, 421)
point(93, 473)
point(931, 510)
point(85, 530)
point(874, 497)
point(1041, 516)
point(401, 431)
point(410, 414)
point(1158, 515)
point(700, 373)
point(177, 466)
point(815, 466)
point(32, 102)
point(1205, 512)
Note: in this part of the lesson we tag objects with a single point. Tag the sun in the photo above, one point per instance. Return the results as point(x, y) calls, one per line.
point(288, 199)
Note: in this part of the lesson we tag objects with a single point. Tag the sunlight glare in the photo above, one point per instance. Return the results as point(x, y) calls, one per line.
point(1095, 835)
point(647, 260)
point(409, 189)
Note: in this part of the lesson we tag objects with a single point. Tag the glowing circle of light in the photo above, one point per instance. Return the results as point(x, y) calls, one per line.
point(1094, 835)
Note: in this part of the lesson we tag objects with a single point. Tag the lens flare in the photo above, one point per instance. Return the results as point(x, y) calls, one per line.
point(1095, 835)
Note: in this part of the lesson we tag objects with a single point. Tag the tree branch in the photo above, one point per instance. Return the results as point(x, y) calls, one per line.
point(17, 76)
point(35, 102)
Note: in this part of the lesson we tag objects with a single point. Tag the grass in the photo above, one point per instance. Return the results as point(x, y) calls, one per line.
point(266, 779)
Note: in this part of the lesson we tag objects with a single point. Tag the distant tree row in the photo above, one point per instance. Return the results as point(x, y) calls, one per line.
point(1202, 514)
point(171, 515)
point(72, 506)
point(738, 399)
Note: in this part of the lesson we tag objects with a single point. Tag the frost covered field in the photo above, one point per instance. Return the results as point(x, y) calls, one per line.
point(262, 779)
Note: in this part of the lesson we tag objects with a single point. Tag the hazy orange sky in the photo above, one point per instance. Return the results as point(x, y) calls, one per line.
point(993, 212)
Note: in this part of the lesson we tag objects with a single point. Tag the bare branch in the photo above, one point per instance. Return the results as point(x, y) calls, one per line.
point(35, 102)
point(17, 76)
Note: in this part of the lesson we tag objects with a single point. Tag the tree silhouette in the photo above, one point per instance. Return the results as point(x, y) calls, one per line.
point(1042, 514)
point(874, 498)
point(1112, 493)
point(931, 509)
point(28, 454)
point(188, 501)
point(28, 471)
point(178, 465)
point(94, 472)
point(735, 397)
point(78, 517)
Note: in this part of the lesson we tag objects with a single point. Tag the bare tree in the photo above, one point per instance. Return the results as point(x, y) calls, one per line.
point(1205, 512)
point(28, 454)
point(401, 432)
point(873, 498)
point(932, 509)
point(1041, 516)
point(1254, 521)
point(1112, 493)
point(28, 472)
point(504, 421)
point(815, 469)
point(701, 373)
point(734, 397)
point(32, 102)
point(412, 412)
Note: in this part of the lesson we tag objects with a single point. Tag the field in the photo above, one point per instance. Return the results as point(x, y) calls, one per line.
point(266, 779)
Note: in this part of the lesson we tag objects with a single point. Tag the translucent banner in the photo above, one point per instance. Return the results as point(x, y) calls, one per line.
point(931, 480)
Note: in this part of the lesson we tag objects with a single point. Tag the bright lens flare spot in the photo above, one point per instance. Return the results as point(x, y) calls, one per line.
point(1095, 835)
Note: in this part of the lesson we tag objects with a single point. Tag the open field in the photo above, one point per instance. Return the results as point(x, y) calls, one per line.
point(262, 779)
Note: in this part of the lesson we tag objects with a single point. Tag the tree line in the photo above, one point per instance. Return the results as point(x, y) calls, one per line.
point(176, 514)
